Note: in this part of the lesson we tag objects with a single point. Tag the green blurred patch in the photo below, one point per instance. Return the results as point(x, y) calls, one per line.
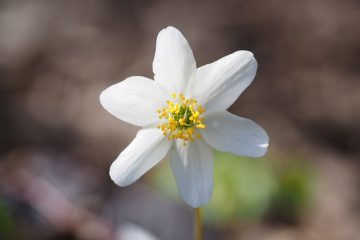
point(294, 191)
point(247, 189)
point(242, 189)
point(7, 227)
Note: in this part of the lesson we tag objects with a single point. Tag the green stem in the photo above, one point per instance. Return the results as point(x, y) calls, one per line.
point(198, 228)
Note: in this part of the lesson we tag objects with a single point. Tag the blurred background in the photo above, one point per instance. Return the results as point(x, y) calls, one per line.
point(57, 142)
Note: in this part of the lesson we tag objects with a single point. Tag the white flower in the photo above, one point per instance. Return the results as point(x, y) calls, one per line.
point(183, 113)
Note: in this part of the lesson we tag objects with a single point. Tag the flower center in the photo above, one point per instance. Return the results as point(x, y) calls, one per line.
point(181, 118)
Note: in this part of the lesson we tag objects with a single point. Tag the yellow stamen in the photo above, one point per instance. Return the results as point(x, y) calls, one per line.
point(181, 118)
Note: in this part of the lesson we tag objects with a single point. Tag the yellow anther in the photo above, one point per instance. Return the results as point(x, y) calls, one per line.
point(181, 119)
point(190, 131)
point(201, 109)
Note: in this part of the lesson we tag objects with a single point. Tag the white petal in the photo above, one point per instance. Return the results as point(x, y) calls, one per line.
point(193, 170)
point(220, 83)
point(174, 62)
point(147, 149)
point(134, 100)
point(229, 133)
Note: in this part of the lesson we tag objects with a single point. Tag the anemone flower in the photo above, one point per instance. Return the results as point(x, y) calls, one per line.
point(182, 114)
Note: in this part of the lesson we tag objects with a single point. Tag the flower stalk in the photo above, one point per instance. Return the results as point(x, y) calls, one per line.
point(198, 227)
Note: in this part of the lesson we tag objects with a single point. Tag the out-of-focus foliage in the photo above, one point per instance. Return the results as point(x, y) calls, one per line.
point(7, 227)
point(249, 189)
point(293, 192)
point(243, 188)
